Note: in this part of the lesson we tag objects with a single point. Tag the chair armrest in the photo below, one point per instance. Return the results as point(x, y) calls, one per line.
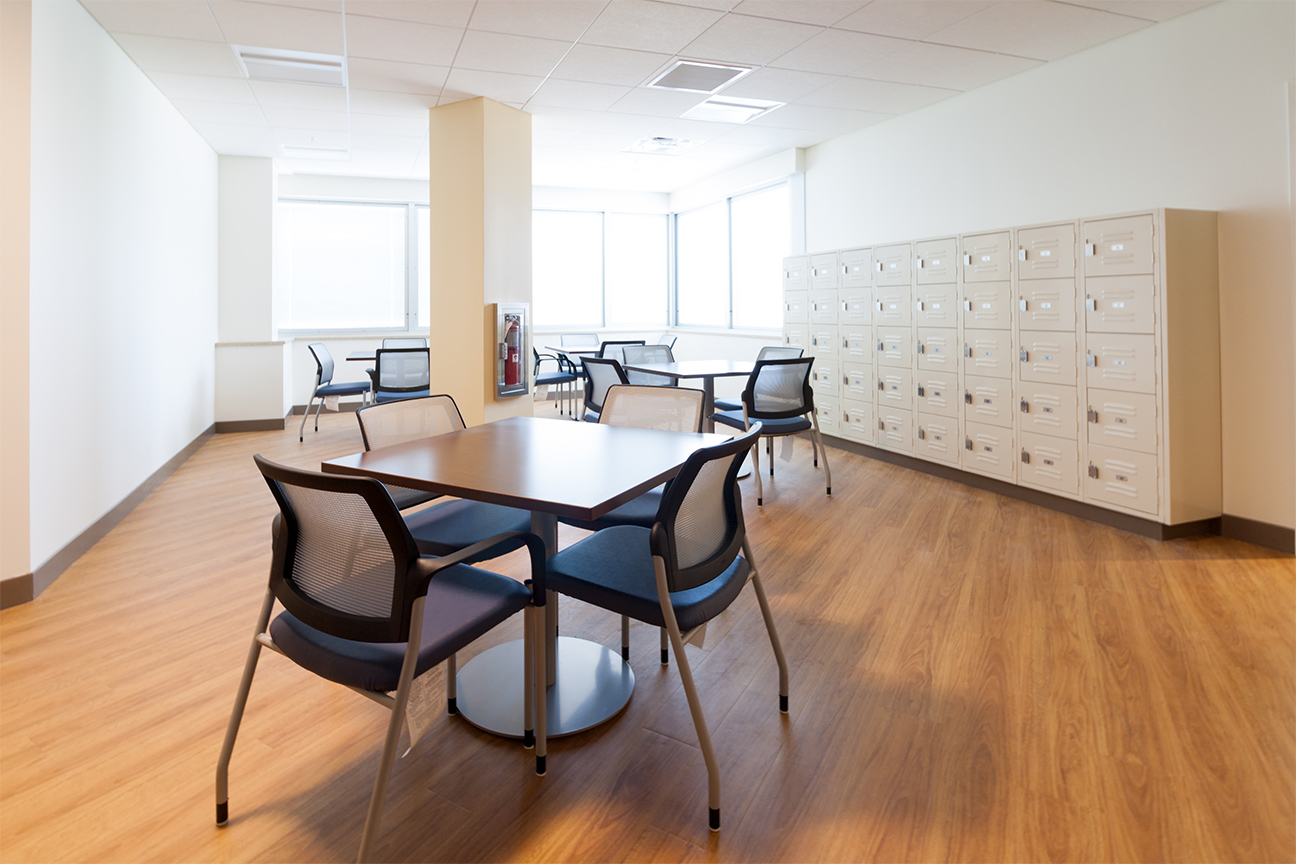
point(429, 566)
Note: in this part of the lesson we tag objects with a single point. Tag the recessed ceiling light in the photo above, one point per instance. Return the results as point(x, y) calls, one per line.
point(295, 152)
point(693, 76)
point(292, 67)
point(730, 109)
point(662, 146)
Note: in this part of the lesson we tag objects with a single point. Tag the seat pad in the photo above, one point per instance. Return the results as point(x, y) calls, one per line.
point(388, 396)
point(783, 426)
point(642, 511)
point(344, 388)
point(454, 525)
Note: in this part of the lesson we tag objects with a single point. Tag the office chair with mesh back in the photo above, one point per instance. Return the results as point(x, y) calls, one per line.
point(324, 386)
point(578, 341)
point(611, 350)
point(364, 609)
point(685, 570)
point(668, 340)
point(600, 374)
point(409, 342)
point(769, 352)
point(648, 354)
point(403, 373)
point(778, 396)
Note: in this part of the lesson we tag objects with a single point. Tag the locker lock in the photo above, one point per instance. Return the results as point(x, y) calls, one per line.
point(967, 350)
point(919, 305)
point(920, 348)
point(1021, 304)
point(845, 270)
point(1089, 249)
point(879, 305)
point(967, 397)
point(1091, 360)
point(845, 379)
point(1025, 407)
point(1025, 457)
point(881, 386)
point(1093, 471)
point(967, 305)
point(918, 263)
point(1025, 355)
point(921, 392)
point(880, 348)
point(879, 266)
point(845, 306)
point(1021, 253)
point(1091, 304)
point(881, 425)
point(967, 443)
point(845, 343)
point(967, 259)
point(922, 436)
point(1093, 416)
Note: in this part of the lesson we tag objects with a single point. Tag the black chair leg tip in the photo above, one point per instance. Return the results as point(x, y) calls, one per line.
point(714, 817)
point(540, 766)
point(222, 813)
point(625, 655)
point(760, 502)
point(829, 490)
point(528, 738)
point(452, 706)
point(665, 658)
point(783, 703)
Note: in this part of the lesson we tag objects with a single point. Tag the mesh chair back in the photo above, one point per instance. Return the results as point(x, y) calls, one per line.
point(600, 374)
point(404, 343)
point(323, 363)
point(613, 350)
point(674, 409)
point(779, 388)
point(403, 369)
point(389, 423)
point(342, 554)
point(578, 340)
point(779, 352)
point(668, 340)
point(648, 354)
point(700, 529)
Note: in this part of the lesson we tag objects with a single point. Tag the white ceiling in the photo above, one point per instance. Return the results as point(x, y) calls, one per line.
point(580, 66)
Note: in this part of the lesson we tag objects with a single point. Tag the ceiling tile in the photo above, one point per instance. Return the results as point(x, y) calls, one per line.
point(361, 141)
point(503, 52)
point(319, 5)
point(821, 12)
point(393, 104)
point(659, 103)
point(268, 26)
point(396, 77)
point(722, 149)
point(468, 83)
point(300, 95)
point(634, 125)
point(910, 19)
point(944, 66)
point(694, 130)
point(985, 69)
point(778, 85)
point(447, 13)
point(176, 85)
point(306, 118)
point(233, 147)
point(748, 40)
point(332, 140)
point(550, 137)
point(552, 19)
point(602, 65)
point(228, 132)
point(383, 124)
point(1149, 10)
point(578, 94)
point(1096, 27)
point(838, 52)
point(605, 141)
point(234, 113)
point(556, 117)
point(180, 19)
point(717, 5)
point(1006, 25)
point(824, 120)
point(762, 136)
point(883, 97)
point(648, 26)
point(406, 42)
point(160, 54)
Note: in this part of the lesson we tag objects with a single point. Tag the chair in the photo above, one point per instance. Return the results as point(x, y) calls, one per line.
point(444, 528)
point(648, 354)
point(668, 340)
point(612, 350)
point(769, 352)
point(364, 609)
point(403, 373)
point(684, 571)
point(778, 395)
point(395, 343)
point(324, 386)
point(674, 409)
point(600, 374)
point(565, 378)
point(578, 341)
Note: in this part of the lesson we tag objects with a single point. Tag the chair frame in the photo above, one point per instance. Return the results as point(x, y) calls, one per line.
point(565, 367)
point(589, 402)
point(806, 410)
point(321, 383)
point(378, 357)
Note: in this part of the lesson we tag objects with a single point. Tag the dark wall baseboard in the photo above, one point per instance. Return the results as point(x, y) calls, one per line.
point(1259, 533)
point(16, 591)
point(223, 427)
point(343, 407)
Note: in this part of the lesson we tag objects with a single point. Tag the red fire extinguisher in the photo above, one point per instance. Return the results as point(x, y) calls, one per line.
point(513, 354)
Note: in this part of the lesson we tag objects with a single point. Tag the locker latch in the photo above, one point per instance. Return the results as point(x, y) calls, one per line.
point(922, 436)
point(1093, 471)
point(787, 274)
point(879, 305)
point(1093, 416)
point(845, 379)
point(1089, 249)
point(1025, 407)
point(845, 270)
point(919, 305)
point(920, 348)
point(1025, 457)
point(1021, 304)
point(879, 266)
point(880, 348)
point(1024, 355)
point(967, 259)
point(967, 350)
point(921, 392)
point(1091, 304)
point(918, 263)
point(881, 425)
point(1091, 360)
point(1021, 254)
point(967, 444)
point(967, 305)
point(845, 306)
point(881, 386)
point(967, 397)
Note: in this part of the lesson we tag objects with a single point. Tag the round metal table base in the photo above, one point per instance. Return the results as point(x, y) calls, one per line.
point(592, 686)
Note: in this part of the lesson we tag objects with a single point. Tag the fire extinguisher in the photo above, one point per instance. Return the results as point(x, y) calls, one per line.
point(513, 354)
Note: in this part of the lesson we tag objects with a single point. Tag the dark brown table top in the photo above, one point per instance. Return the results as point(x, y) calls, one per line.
point(370, 354)
point(578, 470)
point(696, 368)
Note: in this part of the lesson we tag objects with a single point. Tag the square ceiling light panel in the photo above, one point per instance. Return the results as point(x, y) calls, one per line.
point(693, 76)
point(292, 67)
point(730, 109)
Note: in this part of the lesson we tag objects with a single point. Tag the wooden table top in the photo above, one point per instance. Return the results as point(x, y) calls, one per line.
point(696, 368)
point(577, 470)
point(370, 354)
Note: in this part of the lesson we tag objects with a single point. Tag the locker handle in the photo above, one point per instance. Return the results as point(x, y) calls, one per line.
point(879, 266)
point(881, 386)
point(967, 397)
point(967, 350)
point(967, 259)
point(1025, 355)
point(1025, 457)
point(1089, 250)
point(845, 270)
point(920, 348)
point(845, 379)
point(967, 305)
point(880, 348)
point(1091, 360)
point(1025, 407)
point(921, 435)
point(1093, 416)
point(1093, 471)
point(787, 274)
point(1091, 304)
point(918, 263)
point(881, 425)
point(919, 305)
point(1021, 304)
point(879, 305)
point(967, 443)
point(845, 343)
point(920, 391)
point(845, 306)
point(1021, 254)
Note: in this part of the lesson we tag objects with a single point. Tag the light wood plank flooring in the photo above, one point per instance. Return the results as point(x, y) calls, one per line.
point(973, 679)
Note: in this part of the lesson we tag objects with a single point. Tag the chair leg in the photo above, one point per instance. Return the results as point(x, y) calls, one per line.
point(319, 410)
point(625, 638)
point(301, 432)
point(665, 655)
point(236, 716)
point(538, 674)
point(756, 473)
point(814, 437)
point(769, 626)
point(452, 684)
point(374, 817)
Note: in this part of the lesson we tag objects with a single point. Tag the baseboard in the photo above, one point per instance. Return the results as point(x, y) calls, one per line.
point(226, 426)
point(343, 407)
point(1259, 533)
point(44, 575)
point(16, 590)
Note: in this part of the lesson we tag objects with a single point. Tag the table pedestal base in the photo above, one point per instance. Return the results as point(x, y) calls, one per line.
point(592, 686)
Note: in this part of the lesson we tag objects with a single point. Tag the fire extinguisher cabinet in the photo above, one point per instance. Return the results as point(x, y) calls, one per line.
point(512, 349)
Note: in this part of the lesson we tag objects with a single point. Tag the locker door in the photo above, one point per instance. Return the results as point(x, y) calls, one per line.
point(1048, 409)
point(828, 415)
point(1045, 253)
point(1050, 463)
point(987, 305)
point(938, 349)
point(1048, 357)
point(986, 257)
point(989, 450)
point(796, 273)
point(856, 269)
point(894, 347)
point(823, 306)
point(796, 307)
point(823, 271)
point(857, 343)
point(1118, 247)
point(988, 352)
point(895, 388)
point(895, 429)
point(857, 381)
point(825, 377)
point(892, 305)
point(857, 421)
point(1122, 420)
point(891, 265)
point(856, 306)
point(796, 336)
point(1119, 304)
point(938, 439)
point(988, 400)
point(939, 393)
point(1119, 361)
point(1122, 477)
point(1047, 304)
point(824, 342)
point(936, 261)
point(936, 305)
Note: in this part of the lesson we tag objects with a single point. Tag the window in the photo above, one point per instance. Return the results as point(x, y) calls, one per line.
point(636, 275)
point(702, 277)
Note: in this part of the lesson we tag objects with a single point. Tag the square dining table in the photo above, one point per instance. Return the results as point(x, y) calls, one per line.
point(706, 370)
point(551, 468)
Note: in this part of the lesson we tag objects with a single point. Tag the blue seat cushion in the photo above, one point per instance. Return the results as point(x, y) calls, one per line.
point(555, 378)
point(642, 511)
point(454, 525)
point(613, 570)
point(726, 405)
point(344, 388)
point(389, 396)
point(462, 604)
point(783, 426)
point(405, 498)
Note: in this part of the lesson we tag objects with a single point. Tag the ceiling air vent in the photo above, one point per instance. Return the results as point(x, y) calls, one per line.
point(662, 146)
point(730, 109)
point(292, 67)
point(695, 77)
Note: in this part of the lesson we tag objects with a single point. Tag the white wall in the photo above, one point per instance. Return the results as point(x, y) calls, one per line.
point(1190, 114)
point(123, 277)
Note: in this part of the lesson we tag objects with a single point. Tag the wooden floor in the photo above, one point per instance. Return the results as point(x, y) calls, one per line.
point(973, 679)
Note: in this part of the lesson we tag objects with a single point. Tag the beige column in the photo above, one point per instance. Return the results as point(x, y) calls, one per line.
point(480, 196)
point(15, 282)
